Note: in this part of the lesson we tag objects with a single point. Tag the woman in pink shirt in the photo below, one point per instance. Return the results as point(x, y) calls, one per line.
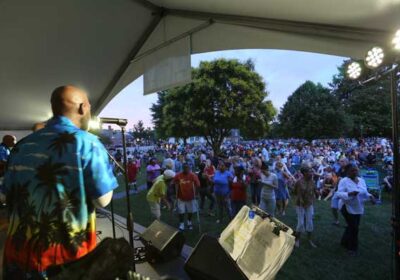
point(153, 171)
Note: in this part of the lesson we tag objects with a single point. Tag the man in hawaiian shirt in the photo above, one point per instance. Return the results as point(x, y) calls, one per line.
point(55, 178)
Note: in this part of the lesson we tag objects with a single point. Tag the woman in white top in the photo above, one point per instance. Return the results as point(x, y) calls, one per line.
point(269, 182)
point(352, 193)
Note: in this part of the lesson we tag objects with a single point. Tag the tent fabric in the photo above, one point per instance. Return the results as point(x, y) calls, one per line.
point(168, 67)
point(96, 43)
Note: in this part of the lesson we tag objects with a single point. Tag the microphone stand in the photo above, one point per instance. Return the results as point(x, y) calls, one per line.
point(124, 169)
point(111, 203)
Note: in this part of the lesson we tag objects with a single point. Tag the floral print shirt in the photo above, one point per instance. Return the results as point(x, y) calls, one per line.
point(51, 179)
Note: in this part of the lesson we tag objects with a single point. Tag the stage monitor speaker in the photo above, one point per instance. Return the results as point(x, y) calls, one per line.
point(162, 242)
point(209, 261)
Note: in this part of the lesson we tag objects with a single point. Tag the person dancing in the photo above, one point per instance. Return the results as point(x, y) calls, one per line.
point(305, 191)
point(352, 192)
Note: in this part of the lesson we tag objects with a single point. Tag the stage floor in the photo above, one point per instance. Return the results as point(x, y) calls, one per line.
point(173, 268)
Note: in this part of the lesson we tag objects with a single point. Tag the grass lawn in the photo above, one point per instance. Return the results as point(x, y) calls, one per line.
point(328, 261)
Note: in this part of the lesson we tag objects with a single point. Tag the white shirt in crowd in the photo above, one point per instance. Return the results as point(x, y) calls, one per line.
point(269, 184)
point(168, 162)
point(265, 154)
point(354, 204)
point(285, 168)
point(203, 158)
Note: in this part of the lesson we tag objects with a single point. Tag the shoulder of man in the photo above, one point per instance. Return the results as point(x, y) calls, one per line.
point(178, 176)
point(31, 138)
point(89, 137)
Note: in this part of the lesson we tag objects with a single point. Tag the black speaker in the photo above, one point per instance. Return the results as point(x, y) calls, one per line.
point(162, 242)
point(210, 261)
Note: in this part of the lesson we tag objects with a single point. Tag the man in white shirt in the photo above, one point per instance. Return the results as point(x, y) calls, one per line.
point(168, 163)
point(265, 154)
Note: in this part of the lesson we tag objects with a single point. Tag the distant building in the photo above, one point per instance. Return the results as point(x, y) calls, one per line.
point(234, 137)
point(191, 140)
point(116, 136)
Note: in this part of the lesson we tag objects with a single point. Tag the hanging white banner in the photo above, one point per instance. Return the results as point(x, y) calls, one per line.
point(167, 67)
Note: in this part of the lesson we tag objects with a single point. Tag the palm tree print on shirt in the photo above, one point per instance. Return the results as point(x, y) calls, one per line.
point(49, 175)
point(61, 142)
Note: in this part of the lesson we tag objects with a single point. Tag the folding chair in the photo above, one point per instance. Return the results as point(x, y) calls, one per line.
point(371, 178)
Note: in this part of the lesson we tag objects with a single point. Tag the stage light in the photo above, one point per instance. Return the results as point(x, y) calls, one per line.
point(374, 57)
point(354, 70)
point(94, 124)
point(396, 41)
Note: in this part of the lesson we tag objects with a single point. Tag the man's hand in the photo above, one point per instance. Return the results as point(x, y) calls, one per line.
point(354, 193)
point(103, 201)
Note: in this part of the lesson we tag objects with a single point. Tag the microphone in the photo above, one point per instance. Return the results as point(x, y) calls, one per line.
point(120, 122)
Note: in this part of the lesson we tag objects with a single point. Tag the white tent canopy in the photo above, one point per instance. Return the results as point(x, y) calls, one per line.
point(104, 45)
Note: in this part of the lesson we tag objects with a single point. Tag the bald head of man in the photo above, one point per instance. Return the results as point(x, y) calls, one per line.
point(38, 126)
point(9, 140)
point(73, 103)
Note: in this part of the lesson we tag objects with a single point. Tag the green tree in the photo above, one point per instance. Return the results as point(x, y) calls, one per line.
point(150, 134)
point(139, 131)
point(367, 106)
point(169, 112)
point(312, 112)
point(224, 95)
point(157, 115)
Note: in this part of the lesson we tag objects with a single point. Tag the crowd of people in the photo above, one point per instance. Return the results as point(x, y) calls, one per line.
point(55, 178)
point(267, 174)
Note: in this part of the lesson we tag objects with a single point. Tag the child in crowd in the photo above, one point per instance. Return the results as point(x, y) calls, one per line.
point(132, 173)
point(238, 188)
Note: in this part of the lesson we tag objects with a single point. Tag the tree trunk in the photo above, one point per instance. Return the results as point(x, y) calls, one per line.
point(216, 146)
point(216, 149)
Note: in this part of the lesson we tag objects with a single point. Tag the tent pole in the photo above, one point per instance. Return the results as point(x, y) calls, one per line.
point(295, 27)
point(148, 4)
point(396, 165)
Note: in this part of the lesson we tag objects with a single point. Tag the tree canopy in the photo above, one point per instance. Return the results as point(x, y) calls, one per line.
point(224, 95)
point(367, 107)
point(312, 112)
point(142, 133)
point(346, 108)
point(139, 131)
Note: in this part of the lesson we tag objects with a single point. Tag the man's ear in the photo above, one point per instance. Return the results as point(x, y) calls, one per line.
point(83, 108)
